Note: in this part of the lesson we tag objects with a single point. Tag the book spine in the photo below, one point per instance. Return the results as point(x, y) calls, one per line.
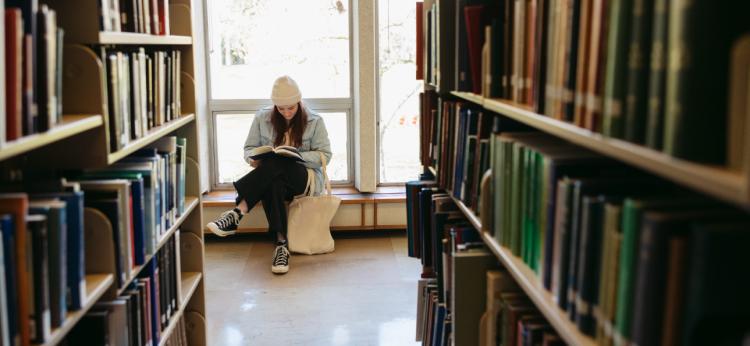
point(616, 66)
point(657, 75)
point(636, 109)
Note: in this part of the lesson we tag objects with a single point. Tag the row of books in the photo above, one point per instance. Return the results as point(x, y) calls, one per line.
point(459, 293)
point(138, 316)
point(628, 257)
point(456, 141)
point(43, 264)
point(142, 196)
point(33, 70)
point(602, 66)
point(143, 91)
point(141, 16)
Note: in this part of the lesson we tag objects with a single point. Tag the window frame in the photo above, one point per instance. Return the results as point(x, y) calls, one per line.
point(320, 105)
point(243, 106)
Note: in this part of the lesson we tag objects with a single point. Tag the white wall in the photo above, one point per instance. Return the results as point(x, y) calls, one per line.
point(201, 92)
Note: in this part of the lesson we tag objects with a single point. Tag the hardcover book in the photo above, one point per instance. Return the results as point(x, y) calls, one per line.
point(267, 151)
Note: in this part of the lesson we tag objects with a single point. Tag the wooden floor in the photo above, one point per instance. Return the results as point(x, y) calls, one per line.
point(362, 294)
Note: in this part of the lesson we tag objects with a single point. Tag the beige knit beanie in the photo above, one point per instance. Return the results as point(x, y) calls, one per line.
point(285, 92)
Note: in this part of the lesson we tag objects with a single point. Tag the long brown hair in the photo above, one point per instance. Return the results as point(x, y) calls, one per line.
point(297, 125)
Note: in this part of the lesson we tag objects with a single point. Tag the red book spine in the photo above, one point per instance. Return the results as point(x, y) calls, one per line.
point(13, 72)
point(475, 35)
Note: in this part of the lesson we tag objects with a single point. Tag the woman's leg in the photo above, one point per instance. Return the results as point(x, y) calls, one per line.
point(281, 190)
point(250, 189)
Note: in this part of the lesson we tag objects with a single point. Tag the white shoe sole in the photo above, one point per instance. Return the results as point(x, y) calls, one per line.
point(279, 270)
point(214, 228)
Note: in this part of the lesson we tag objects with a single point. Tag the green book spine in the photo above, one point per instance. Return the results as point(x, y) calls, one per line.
point(515, 211)
point(508, 191)
point(658, 75)
point(541, 211)
point(498, 202)
point(636, 102)
point(620, 12)
point(525, 201)
point(631, 216)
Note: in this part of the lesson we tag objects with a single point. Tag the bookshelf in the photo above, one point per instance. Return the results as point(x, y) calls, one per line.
point(718, 182)
point(81, 141)
point(584, 98)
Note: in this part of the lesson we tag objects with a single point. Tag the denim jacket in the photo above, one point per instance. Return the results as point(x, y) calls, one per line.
point(314, 141)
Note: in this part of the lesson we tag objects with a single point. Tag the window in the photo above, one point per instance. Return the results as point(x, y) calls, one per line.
point(398, 105)
point(231, 140)
point(251, 43)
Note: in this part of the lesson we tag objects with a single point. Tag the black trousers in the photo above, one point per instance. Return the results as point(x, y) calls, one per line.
point(273, 182)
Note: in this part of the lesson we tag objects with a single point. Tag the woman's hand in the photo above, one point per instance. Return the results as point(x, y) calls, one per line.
point(255, 163)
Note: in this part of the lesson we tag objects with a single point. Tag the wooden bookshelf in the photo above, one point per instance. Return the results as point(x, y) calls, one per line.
point(718, 182)
point(190, 204)
point(81, 141)
point(473, 218)
point(70, 126)
point(529, 282)
point(96, 286)
point(190, 282)
point(153, 134)
point(131, 38)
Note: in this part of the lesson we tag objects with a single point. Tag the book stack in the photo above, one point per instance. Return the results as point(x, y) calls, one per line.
point(143, 91)
point(33, 70)
point(144, 309)
point(43, 266)
point(140, 16)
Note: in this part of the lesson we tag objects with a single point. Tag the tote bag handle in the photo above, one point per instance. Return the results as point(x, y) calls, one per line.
point(310, 186)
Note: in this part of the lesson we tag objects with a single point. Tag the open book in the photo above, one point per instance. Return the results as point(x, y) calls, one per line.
point(266, 151)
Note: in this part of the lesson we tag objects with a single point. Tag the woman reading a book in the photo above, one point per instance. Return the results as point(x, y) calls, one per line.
point(284, 141)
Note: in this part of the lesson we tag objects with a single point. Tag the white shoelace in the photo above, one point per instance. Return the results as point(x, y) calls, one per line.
point(227, 219)
point(281, 256)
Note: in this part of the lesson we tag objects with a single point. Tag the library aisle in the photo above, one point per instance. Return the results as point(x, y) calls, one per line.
point(364, 293)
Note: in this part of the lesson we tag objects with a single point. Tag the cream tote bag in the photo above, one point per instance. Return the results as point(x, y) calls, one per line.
point(309, 223)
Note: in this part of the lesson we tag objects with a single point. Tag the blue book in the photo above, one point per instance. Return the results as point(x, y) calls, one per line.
point(149, 155)
point(438, 330)
point(76, 250)
point(181, 171)
point(150, 193)
point(8, 235)
point(55, 211)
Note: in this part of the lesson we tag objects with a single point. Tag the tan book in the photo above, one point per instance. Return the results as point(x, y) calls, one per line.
point(584, 44)
point(593, 101)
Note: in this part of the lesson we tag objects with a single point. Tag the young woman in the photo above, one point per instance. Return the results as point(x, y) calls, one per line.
point(276, 180)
